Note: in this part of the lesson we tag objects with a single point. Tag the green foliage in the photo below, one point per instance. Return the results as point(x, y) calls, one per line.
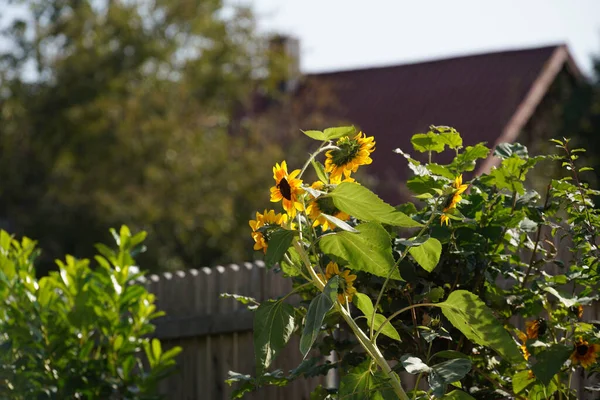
point(445, 279)
point(315, 315)
point(476, 321)
point(362, 383)
point(360, 202)
point(80, 332)
point(119, 112)
point(273, 327)
point(368, 250)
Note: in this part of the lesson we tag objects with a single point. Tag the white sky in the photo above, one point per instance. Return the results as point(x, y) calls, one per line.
point(338, 34)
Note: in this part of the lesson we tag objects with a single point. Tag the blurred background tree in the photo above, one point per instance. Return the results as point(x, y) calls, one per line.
point(119, 112)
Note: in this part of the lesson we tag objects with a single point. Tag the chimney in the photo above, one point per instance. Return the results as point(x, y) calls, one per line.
point(288, 48)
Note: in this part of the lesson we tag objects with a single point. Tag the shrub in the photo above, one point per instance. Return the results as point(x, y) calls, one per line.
point(78, 333)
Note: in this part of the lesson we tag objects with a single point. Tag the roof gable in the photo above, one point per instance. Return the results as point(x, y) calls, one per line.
point(478, 95)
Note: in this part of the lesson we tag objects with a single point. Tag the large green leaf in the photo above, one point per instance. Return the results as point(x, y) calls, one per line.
point(370, 250)
point(521, 380)
point(273, 327)
point(364, 304)
point(279, 242)
point(317, 135)
point(360, 202)
point(317, 309)
point(452, 139)
point(550, 361)
point(506, 150)
point(429, 141)
point(448, 372)
point(476, 321)
point(361, 383)
point(466, 160)
point(338, 132)
point(427, 254)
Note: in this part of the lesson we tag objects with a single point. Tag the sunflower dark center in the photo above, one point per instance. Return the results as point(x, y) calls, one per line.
point(285, 189)
point(542, 325)
point(326, 206)
point(347, 152)
point(582, 349)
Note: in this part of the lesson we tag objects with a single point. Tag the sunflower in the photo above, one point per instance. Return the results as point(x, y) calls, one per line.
point(523, 346)
point(346, 289)
point(454, 199)
point(536, 328)
point(287, 189)
point(577, 310)
point(266, 219)
point(584, 353)
point(351, 154)
point(323, 205)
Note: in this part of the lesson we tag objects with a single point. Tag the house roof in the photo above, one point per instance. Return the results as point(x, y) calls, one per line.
point(486, 97)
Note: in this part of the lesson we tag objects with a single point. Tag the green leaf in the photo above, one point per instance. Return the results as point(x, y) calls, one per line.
point(457, 395)
point(507, 150)
point(466, 160)
point(364, 304)
point(279, 242)
point(338, 132)
point(424, 184)
point(339, 223)
point(521, 380)
point(317, 309)
point(441, 170)
point(450, 354)
point(360, 202)
point(550, 361)
point(370, 250)
point(475, 320)
point(319, 170)
point(446, 373)
point(293, 268)
point(273, 327)
point(427, 254)
point(452, 139)
point(567, 302)
point(360, 384)
point(317, 135)
point(414, 365)
point(425, 142)
point(452, 370)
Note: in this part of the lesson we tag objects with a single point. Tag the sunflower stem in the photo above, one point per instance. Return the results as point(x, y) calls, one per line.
point(387, 279)
point(321, 149)
point(371, 348)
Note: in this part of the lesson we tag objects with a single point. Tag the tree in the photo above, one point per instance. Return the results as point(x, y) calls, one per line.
point(119, 112)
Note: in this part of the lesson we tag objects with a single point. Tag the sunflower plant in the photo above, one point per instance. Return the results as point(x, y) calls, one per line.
point(477, 287)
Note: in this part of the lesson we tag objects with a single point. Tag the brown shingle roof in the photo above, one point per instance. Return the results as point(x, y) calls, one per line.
point(477, 94)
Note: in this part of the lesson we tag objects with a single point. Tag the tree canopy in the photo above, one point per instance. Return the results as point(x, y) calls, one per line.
point(120, 112)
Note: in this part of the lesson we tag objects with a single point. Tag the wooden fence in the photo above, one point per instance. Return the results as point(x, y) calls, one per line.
point(216, 333)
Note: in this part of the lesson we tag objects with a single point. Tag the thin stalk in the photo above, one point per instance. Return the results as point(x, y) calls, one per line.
point(321, 149)
point(421, 374)
point(387, 279)
point(394, 315)
point(537, 241)
point(371, 349)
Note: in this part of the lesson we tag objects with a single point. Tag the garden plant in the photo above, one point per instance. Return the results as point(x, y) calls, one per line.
point(83, 331)
point(477, 288)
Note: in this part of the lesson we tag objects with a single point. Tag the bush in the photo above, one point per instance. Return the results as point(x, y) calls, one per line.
point(78, 333)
